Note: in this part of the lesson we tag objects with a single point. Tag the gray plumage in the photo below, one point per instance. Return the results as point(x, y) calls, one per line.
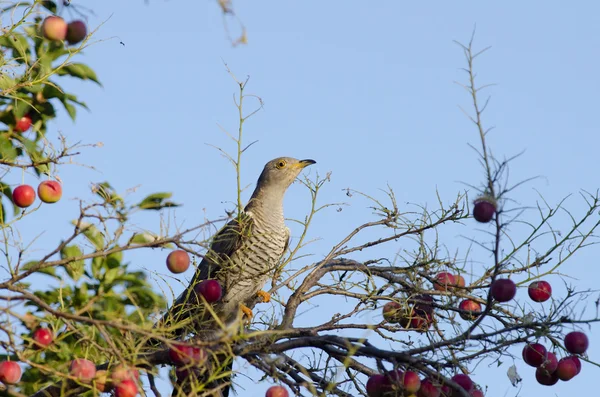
point(242, 254)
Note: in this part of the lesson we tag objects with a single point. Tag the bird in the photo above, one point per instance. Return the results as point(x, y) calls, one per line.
point(241, 257)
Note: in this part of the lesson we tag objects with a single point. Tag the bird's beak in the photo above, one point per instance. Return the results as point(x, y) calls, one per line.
point(305, 163)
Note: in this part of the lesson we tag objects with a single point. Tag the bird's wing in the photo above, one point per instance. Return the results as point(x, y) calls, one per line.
point(287, 240)
point(224, 245)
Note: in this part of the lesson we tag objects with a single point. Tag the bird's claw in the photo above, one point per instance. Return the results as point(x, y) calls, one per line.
point(247, 312)
point(265, 296)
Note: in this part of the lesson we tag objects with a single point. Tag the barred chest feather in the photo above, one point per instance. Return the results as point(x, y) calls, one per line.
point(252, 264)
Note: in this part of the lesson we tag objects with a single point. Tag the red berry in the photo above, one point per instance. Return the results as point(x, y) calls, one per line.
point(23, 196)
point(76, 32)
point(10, 372)
point(443, 281)
point(54, 28)
point(42, 337)
point(184, 355)
point(210, 290)
point(566, 369)
point(503, 289)
point(375, 385)
point(23, 124)
point(534, 354)
point(545, 378)
point(576, 342)
point(178, 261)
point(471, 309)
point(551, 362)
point(127, 388)
point(83, 369)
point(277, 391)
point(428, 389)
point(539, 291)
point(463, 381)
point(577, 362)
point(49, 191)
point(484, 210)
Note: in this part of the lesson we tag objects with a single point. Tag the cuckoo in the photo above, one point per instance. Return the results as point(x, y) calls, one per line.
point(241, 256)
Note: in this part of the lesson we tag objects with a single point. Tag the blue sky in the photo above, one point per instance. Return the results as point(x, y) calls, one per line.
point(364, 88)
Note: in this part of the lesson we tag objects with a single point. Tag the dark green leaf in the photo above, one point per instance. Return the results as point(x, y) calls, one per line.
point(51, 271)
point(156, 201)
point(49, 5)
point(22, 106)
point(92, 234)
point(80, 71)
point(142, 238)
point(75, 268)
point(7, 150)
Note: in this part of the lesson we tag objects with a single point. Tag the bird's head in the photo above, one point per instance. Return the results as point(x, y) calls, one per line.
point(279, 174)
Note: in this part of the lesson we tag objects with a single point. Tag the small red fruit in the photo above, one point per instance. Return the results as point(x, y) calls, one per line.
point(411, 382)
point(23, 124)
point(534, 354)
point(54, 28)
point(546, 378)
point(577, 362)
point(551, 362)
point(428, 389)
point(83, 369)
point(566, 369)
point(42, 337)
point(76, 32)
point(23, 196)
point(277, 391)
point(443, 281)
point(576, 342)
point(101, 381)
point(122, 372)
point(471, 309)
point(477, 393)
point(10, 372)
point(484, 209)
point(210, 290)
point(463, 381)
point(178, 261)
point(185, 355)
point(49, 191)
point(375, 385)
point(127, 388)
point(460, 280)
point(503, 289)
point(539, 291)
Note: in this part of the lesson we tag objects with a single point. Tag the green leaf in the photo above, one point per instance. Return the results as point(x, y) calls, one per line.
point(114, 260)
point(6, 191)
point(156, 201)
point(97, 265)
point(50, 270)
point(49, 5)
point(7, 150)
point(80, 71)
point(6, 82)
point(72, 110)
point(109, 276)
point(22, 105)
point(53, 91)
point(75, 268)
point(14, 40)
point(142, 238)
point(92, 234)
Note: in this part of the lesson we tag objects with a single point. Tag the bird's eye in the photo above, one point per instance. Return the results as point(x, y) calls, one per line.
point(280, 164)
